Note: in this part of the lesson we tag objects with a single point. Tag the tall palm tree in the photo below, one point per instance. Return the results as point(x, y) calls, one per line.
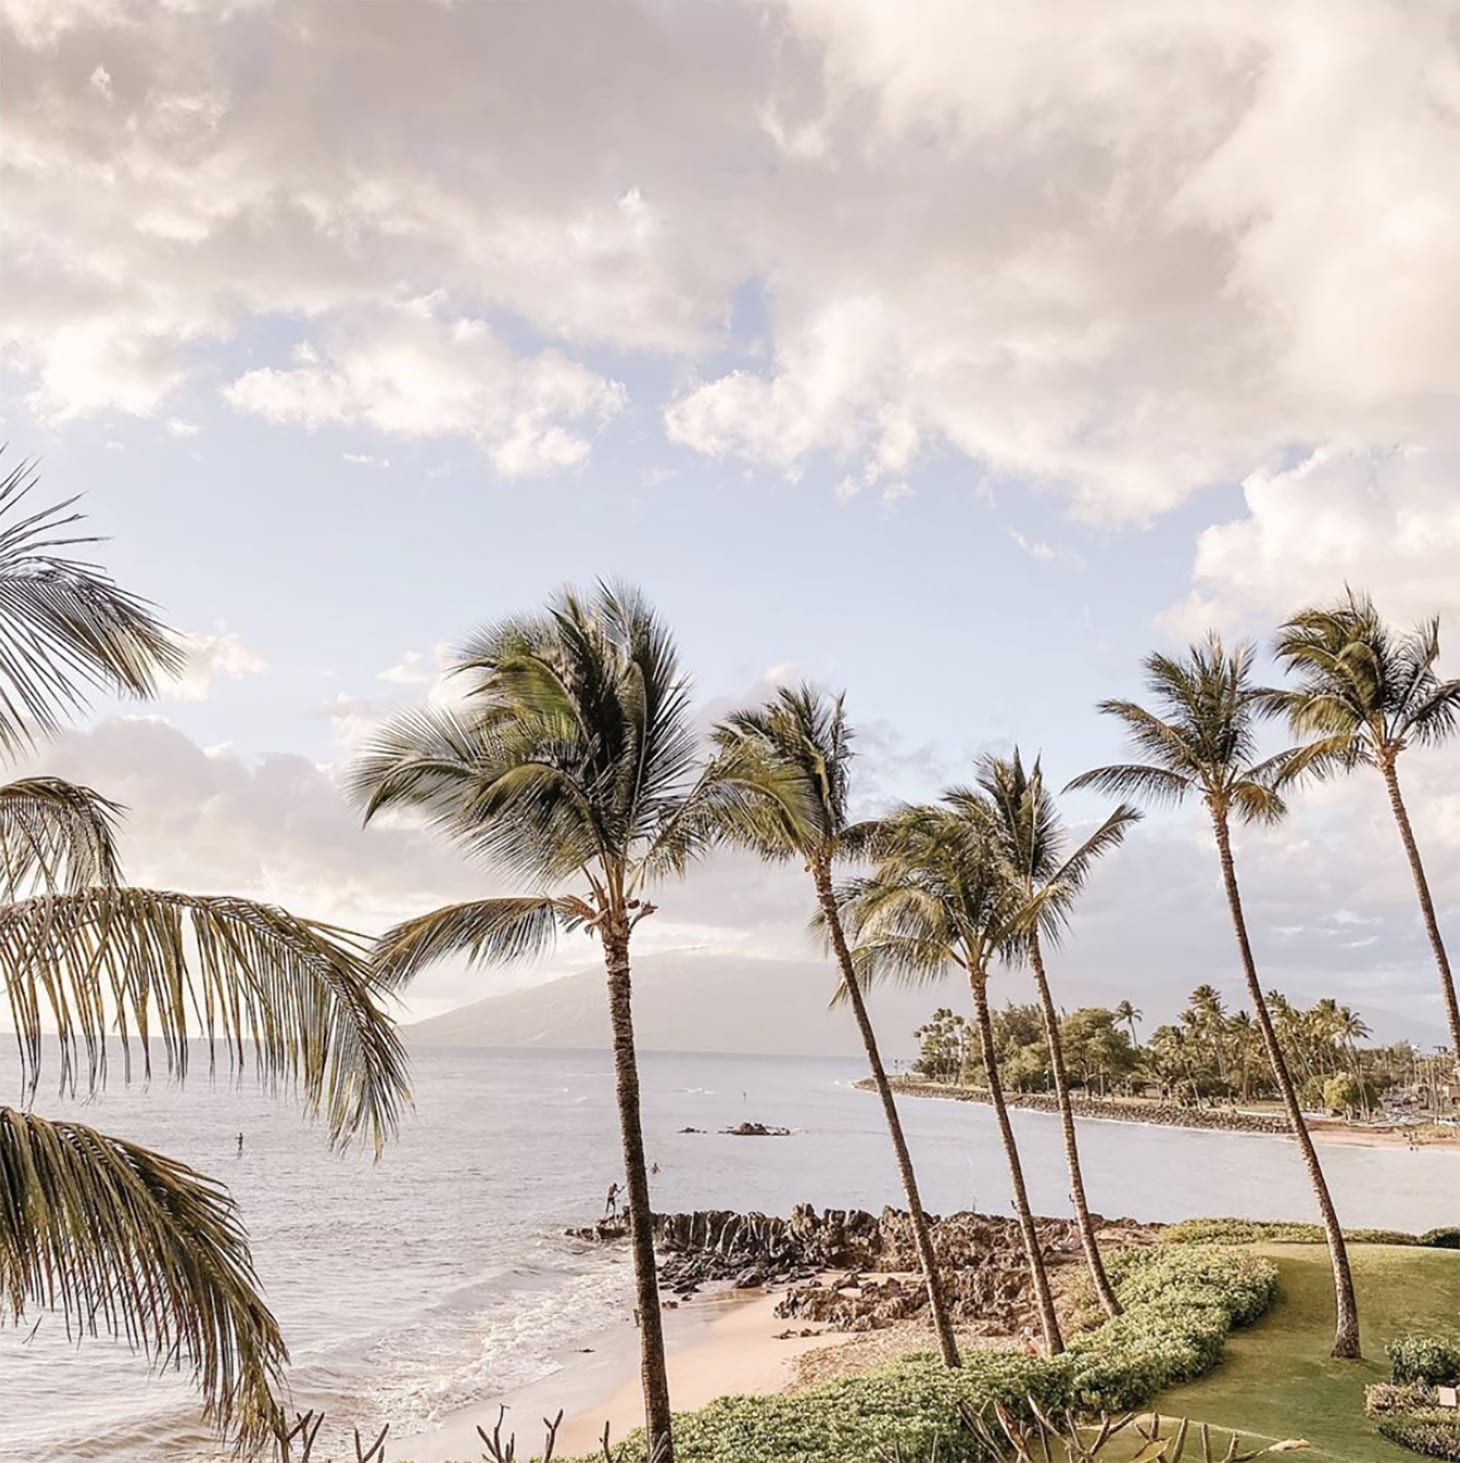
point(1204, 742)
point(572, 768)
point(1033, 846)
point(1127, 1015)
point(120, 1239)
point(1364, 694)
point(789, 761)
point(939, 896)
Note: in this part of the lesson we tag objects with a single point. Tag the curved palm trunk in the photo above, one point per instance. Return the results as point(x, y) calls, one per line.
point(922, 1237)
point(1103, 1287)
point(1049, 1322)
point(655, 1374)
point(1346, 1331)
point(1426, 904)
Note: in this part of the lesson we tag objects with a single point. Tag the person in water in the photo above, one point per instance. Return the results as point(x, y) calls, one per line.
point(240, 1145)
point(610, 1204)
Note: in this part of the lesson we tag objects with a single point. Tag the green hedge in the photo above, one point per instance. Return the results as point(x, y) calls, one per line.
point(1261, 1231)
point(1180, 1305)
point(1431, 1360)
point(1431, 1431)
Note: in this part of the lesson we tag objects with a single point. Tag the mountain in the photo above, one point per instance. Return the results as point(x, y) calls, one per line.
point(688, 1002)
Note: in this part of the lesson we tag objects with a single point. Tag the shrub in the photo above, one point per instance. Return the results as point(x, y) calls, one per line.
point(1385, 1397)
point(1432, 1431)
point(1432, 1360)
point(1280, 1232)
point(1180, 1305)
point(1447, 1238)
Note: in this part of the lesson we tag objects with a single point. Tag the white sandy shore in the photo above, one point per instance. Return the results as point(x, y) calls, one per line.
point(718, 1344)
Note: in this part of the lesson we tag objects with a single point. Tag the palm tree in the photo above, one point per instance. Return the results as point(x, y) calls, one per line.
point(122, 1240)
point(1032, 845)
point(571, 767)
point(1128, 1015)
point(790, 760)
point(1364, 694)
point(1205, 742)
point(939, 896)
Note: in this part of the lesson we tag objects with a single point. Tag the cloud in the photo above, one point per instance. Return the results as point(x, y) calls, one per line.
point(1118, 258)
point(1382, 519)
point(178, 428)
point(413, 373)
point(210, 657)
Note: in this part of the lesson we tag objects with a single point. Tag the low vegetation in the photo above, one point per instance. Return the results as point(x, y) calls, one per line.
point(1179, 1306)
point(1280, 1232)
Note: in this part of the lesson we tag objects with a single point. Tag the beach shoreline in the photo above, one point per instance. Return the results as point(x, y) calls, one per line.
point(1218, 1120)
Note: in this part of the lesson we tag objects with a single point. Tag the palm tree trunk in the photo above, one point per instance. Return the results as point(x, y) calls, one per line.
point(657, 1426)
point(1053, 1342)
point(1346, 1331)
point(922, 1237)
point(1426, 904)
point(1103, 1287)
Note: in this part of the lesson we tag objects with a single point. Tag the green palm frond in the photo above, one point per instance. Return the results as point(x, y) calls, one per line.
point(294, 997)
point(1154, 785)
point(55, 835)
point(126, 1242)
point(66, 629)
point(485, 931)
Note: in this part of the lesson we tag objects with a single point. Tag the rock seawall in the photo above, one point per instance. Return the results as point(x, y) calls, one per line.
point(1163, 1114)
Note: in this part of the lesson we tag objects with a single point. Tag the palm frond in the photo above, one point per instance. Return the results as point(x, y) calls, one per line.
point(1257, 801)
point(128, 1243)
point(1155, 785)
point(55, 835)
point(1435, 717)
point(494, 931)
point(66, 629)
point(150, 965)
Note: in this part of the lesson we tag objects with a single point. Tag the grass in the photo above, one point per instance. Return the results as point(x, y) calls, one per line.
point(1276, 1379)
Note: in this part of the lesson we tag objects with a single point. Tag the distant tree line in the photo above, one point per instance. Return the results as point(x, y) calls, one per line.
point(1208, 1056)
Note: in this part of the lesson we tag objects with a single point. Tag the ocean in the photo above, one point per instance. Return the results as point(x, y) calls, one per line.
point(440, 1278)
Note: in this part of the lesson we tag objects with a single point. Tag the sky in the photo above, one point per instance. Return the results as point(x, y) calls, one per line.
point(952, 355)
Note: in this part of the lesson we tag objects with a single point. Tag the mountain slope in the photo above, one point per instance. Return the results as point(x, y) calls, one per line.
point(689, 1002)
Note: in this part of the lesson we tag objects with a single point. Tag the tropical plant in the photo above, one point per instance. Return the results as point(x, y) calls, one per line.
point(122, 1240)
point(572, 767)
point(1128, 1016)
point(1204, 741)
point(939, 896)
point(1034, 854)
point(1364, 694)
point(786, 767)
point(942, 1046)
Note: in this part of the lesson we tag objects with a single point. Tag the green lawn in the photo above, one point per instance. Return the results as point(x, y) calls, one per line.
point(1276, 1380)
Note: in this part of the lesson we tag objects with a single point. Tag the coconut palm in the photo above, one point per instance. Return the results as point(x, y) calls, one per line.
point(1365, 693)
point(1204, 742)
point(939, 896)
point(789, 765)
point(1033, 846)
point(572, 768)
point(122, 1240)
point(1127, 1015)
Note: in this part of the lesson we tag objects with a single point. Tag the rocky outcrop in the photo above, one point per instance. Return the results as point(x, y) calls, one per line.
point(756, 1130)
point(1166, 1115)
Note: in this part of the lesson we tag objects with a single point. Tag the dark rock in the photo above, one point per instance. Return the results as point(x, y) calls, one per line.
point(756, 1130)
point(691, 1130)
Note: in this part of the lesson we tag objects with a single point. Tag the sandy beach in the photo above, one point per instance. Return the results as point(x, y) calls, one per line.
point(720, 1343)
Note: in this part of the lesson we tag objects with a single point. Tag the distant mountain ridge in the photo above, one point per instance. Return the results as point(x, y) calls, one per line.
point(689, 1002)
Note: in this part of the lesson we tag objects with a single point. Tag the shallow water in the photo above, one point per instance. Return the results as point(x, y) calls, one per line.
point(441, 1276)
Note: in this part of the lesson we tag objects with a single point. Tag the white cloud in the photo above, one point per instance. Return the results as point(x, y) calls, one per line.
point(412, 373)
point(210, 657)
point(1121, 255)
point(178, 428)
point(1385, 520)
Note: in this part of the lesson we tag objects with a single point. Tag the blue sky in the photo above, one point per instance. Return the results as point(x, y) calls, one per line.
point(943, 361)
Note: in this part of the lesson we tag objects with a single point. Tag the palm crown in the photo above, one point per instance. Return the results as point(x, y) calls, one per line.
point(1363, 693)
point(572, 758)
point(1203, 739)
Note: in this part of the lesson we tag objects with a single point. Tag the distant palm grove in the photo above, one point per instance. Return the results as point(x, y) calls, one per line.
point(574, 775)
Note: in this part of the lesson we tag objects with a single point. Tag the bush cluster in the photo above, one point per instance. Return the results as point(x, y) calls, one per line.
point(1180, 1305)
point(1430, 1360)
point(1278, 1232)
point(1432, 1431)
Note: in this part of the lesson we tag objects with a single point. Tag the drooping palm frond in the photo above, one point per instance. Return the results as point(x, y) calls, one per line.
point(55, 835)
point(66, 629)
point(1154, 785)
point(296, 997)
point(126, 1242)
point(485, 931)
